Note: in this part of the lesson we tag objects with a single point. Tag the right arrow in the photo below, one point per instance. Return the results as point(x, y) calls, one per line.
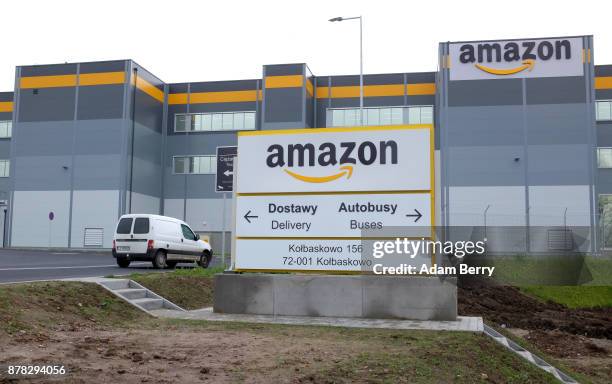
point(248, 216)
point(418, 215)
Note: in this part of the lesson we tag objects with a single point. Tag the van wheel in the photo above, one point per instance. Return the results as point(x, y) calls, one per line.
point(171, 264)
point(160, 260)
point(204, 260)
point(122, 262)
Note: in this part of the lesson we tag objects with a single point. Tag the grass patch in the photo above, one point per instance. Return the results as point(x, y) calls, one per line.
point(600, 269)
point(526, 270)
point(183, 272)
point(187, 288)
point(36, 307)
point(585, 296)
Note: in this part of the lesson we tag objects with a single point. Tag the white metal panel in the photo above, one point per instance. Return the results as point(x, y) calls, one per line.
point(551, 205)
point(94, 209)
point(31, 225)
point(209, 211)
point(142, 203)
point(93, 237)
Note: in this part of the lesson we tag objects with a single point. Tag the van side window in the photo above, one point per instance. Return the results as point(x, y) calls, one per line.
point(187, 232)
point(124, 226)
point(141, 225)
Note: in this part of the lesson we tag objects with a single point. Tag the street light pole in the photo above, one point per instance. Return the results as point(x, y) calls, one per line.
point(360, 60)
point(4, 208)
point(361, 69)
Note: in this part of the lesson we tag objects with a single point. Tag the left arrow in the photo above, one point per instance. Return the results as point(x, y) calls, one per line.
point(248, 216)
point(227, 173)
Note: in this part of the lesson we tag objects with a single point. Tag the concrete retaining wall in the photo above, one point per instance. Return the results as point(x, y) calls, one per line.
point(417, 298)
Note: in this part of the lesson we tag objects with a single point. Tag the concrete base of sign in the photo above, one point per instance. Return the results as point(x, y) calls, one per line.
point(377, 297)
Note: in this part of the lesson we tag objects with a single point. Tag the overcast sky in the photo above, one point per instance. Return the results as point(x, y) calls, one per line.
point(182, 40)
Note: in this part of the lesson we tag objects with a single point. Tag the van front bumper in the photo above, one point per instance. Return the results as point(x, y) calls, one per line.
point(148, 256)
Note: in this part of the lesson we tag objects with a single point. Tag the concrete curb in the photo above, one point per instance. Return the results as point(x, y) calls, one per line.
point(67, 250)
point(462, 324)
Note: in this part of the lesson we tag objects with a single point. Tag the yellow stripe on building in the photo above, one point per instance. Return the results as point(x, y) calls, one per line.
point(84, 79)
point(421, 89)
point(376, 90)
point(290, 81)
point(177, 98)
point(101, 78)
point(6, 106)
point(215, 97)
point(603, 82)
point(222, 97)
point(382, 90)
point(322, 92)
point(309, 88)
point(149, 89)
point(48, 81)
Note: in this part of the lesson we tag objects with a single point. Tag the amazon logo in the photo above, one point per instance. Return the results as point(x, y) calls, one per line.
point(516, 57)
point(341, 159)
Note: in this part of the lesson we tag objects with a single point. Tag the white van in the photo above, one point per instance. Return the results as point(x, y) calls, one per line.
point(165, 241)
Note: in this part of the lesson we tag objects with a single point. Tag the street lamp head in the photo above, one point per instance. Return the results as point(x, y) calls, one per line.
point(335, 19)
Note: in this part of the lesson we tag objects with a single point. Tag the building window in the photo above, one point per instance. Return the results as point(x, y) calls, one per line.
point(603, 110)
point(6, 129)
point(221, 121)
point(350, 117)
point(5, 165)
point(604, 157)
point(202, 165)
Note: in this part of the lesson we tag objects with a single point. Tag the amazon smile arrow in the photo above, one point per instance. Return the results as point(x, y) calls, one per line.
point(527, 64)
point(344, 170)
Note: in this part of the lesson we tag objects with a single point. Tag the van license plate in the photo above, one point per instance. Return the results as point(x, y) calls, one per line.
point(123, 248)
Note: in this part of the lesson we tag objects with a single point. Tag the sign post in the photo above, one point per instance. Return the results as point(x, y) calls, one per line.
point(224, 179)
point(225, 183)
point(51, 217)
point(305, 197)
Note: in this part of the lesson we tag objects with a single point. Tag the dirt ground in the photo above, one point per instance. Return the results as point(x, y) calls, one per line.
point(579, 338)
point(507, 306)
point(258, 354)
point(134, 356)
point(102, 339)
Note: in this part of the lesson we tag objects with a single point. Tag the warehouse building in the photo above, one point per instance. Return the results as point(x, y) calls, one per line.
point(522, 138)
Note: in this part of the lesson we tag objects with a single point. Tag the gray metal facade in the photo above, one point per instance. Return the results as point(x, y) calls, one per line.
point(93, 150)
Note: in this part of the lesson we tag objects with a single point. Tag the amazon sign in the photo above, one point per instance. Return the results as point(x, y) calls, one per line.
point(335, 159)
point(306, 198)
point(555, 57)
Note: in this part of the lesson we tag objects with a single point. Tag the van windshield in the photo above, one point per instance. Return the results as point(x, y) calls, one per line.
point(141, 225)
point(125, 225)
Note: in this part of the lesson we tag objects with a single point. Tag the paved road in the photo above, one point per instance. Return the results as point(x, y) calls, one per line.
point(31, 265)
